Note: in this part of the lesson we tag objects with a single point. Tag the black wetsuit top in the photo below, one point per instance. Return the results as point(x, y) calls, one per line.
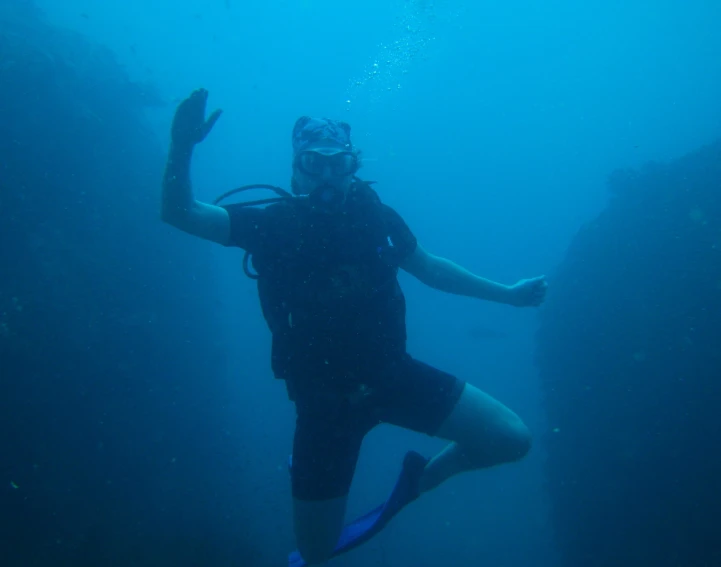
point(328, 283)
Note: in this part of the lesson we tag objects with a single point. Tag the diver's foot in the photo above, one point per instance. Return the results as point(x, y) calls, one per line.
point(360, 530)
point(408, 486)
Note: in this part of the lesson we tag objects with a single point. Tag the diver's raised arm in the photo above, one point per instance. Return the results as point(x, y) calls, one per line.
point(178, 207)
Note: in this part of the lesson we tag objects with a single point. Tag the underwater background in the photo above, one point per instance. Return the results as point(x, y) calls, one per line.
point(140, 423)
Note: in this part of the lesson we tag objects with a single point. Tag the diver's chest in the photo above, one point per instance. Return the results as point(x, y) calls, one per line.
point(325, 254)
point(317, 251)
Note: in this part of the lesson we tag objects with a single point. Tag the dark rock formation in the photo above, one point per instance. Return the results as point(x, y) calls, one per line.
point(629, 353)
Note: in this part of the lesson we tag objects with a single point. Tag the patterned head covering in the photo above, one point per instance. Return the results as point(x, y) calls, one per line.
point(322, 135)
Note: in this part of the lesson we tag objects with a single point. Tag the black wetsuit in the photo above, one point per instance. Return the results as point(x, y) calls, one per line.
point(329, 292)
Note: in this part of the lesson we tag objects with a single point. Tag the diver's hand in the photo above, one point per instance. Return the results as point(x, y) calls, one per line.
point(189, 124)
point(528, 293)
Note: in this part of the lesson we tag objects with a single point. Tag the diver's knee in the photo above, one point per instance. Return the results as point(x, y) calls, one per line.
point(520, 442)
point(512, 443)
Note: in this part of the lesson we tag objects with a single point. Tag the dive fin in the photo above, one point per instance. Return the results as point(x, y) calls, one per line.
point(362, 529)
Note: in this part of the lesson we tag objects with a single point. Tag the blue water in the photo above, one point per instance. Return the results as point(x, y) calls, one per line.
point(491, 127)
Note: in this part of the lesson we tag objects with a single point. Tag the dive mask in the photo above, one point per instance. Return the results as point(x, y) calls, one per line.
point(315, 163)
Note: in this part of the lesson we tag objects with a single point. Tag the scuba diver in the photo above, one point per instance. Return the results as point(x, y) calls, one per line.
point(326, 259)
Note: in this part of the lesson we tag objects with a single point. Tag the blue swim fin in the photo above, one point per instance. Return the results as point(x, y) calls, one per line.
point(362, 529)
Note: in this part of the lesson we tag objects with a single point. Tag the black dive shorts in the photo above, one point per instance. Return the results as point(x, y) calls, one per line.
point(330, 426)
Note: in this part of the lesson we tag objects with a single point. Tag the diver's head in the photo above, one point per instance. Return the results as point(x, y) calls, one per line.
point(324, 161)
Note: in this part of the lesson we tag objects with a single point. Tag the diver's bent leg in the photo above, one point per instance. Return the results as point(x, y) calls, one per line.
point(318, 525)
point(483, 432)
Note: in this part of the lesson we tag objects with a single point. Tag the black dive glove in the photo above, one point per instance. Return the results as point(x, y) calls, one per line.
point(189, 124)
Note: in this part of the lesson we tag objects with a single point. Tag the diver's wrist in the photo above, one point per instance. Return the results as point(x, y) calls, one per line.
point(180, 152)
point(493, 291)
point(506, 294)
point(181, 148)
point(179, 159)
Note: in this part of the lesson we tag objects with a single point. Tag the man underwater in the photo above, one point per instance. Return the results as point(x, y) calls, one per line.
point(326, 263)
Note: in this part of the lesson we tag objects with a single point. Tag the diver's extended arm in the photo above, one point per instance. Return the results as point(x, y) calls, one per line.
point(444, 275)
point(178, 207)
